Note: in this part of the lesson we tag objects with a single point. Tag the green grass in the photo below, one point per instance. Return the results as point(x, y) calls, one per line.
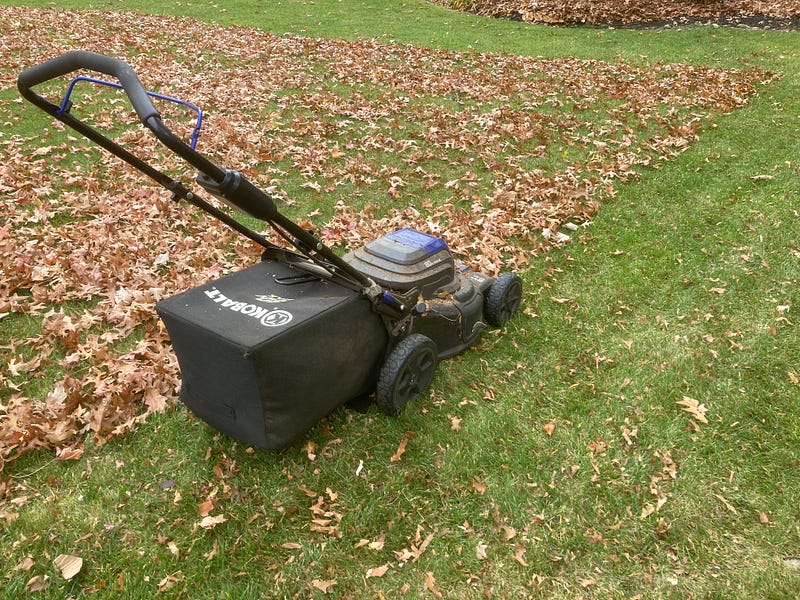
point(677, 288)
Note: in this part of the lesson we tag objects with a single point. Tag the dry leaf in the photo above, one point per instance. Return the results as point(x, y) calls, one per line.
point(205, 508)
point(291, 546)
point(68, 565)
point(509, 533)
point(479, 486)
point(323, 585)
point(549, 427)
point(69, 453)
point(480, 551)
point(173, 548)
point(213, 552)
point(37, 583)
point(430, 583)
point(211, 522)
point(519, 554)
point(26, 564)
point(377, 571)
point(402, 447)
point(694, 408)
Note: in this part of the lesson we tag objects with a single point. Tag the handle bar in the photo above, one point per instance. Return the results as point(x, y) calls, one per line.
point(81, 59)
point(226, 184)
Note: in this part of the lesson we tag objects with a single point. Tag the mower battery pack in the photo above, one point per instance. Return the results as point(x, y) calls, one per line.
point(268, 351)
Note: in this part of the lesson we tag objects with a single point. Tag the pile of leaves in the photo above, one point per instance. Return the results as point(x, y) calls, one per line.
point(493, 152)
point(783, 13)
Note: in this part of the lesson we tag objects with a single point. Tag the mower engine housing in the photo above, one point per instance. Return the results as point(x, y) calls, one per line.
point(451, 296)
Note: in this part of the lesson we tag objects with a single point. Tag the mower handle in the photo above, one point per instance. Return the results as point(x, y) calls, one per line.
point(81, 59)
point(230, 186)
point(226, 184)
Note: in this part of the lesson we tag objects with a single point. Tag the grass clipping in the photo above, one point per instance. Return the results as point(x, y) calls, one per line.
point(493, 152)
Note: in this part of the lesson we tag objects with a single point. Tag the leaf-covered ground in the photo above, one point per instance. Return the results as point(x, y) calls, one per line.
point(759, 13)
point(494, 152)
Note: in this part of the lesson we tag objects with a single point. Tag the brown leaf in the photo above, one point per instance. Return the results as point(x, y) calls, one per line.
point(73, 453)
point(68, 565)
point(694, 408)
point(37, 583)
point(291, 546)
point(323, 585)
point(402, 447)
point(377, 571)
point(519, 554)
point(211, 522)
point(430, 583)
point(480, 551)
point(205, 508)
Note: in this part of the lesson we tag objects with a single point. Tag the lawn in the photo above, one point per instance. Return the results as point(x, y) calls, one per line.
point(632, 432)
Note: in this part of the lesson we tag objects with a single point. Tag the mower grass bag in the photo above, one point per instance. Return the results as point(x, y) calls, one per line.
point(268, 351)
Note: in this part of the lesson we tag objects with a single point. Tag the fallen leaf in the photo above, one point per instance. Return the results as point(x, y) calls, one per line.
point(694, 408)
point(402, 447)
point(430, 583)
point(37, 583)
point(68, 565)
point(211, 522)
point(291, 546)
point(26, 564)
point(509, 533)
point(519, 554)
point(213, 552)
point(323, 585)
point(69, 453)
point(480, 551)
point(377, 571)
point(169, 581)
point(549, 427)
point(205, 508)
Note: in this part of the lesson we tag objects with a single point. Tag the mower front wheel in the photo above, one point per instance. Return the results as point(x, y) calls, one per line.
point(502, 299)
point(407, 372)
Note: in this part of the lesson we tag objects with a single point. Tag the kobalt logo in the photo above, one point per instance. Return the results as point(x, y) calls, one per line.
point(266, 316)
point(272, 299)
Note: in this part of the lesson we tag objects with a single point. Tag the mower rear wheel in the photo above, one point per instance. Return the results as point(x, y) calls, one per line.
point(406, 373)
point(502, 299)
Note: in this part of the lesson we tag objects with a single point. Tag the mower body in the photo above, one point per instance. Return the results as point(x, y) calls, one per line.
point(268, 351)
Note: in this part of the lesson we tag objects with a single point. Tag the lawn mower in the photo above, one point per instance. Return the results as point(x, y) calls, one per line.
point(267, 351)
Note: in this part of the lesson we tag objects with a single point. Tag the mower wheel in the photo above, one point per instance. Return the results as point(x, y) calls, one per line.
point(406, 373)
point(502, 299)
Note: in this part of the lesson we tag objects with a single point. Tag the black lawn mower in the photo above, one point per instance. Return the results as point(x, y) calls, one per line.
point(267, 351)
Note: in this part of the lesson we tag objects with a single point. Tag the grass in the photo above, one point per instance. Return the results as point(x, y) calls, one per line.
point(552, 461)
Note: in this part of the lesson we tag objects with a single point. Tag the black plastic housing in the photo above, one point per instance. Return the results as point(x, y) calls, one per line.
point(268, 351)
